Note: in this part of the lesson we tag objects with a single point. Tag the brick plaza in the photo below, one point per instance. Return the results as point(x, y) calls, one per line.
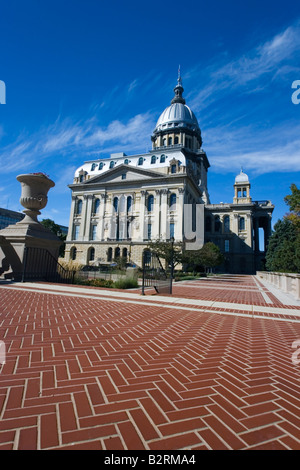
point(209, 367)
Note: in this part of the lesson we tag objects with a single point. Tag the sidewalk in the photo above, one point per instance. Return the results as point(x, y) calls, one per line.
point(210, 367)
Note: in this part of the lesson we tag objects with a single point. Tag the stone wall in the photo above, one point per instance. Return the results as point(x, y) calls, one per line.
point(286, 282)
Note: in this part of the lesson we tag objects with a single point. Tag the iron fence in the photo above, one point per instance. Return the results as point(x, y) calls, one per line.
point(154, 274)
point(40, 265)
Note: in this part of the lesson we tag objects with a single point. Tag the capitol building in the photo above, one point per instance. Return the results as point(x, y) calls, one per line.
point(121, 203)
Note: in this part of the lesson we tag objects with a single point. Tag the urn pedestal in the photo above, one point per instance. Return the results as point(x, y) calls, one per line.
point(34, 195)
point(29, 232)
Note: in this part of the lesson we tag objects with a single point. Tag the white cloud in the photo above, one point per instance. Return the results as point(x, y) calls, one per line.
point(273, 150)
point(70, 139)
point(274, 58)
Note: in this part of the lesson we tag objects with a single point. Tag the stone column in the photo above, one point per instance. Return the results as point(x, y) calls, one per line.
point(142, 219)
point(100, 229)
point(71, 221)
point(157, 209)
point(249, 230)
point(180, 215)
point(87, 217)
point(82, 218)
point(164, 215)
point(256, 234)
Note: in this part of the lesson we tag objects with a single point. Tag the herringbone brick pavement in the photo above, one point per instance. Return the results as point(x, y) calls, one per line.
point(96, 373)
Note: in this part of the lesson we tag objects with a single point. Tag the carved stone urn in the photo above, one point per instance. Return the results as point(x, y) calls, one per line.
point(35, 187)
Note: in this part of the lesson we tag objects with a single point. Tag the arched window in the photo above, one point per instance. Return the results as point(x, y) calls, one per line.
point(96, 206)
point(129, 204)
point(150, 203)
point(226, 224)
point(100, 166)
point(122, 204)
point(109, 254)
point(170, 141)
point(140, 161)
point(73, 253)
point(153, 159)
point(124, 253)
point(115, 203)
point(91, 254)
point(78, 207)
point(173, 168)
point(173, 202)
point(208, 223)
point(162, 159)
point(176, 140)
point(126, 161)
point(217, 224)
point(117, 252)
point(242, 223)
point(93, 167)
point(112, 164)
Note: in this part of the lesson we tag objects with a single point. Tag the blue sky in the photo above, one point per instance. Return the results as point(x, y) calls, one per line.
point(87, 78)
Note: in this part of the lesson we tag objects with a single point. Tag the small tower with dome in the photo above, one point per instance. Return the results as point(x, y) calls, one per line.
point(241, 189)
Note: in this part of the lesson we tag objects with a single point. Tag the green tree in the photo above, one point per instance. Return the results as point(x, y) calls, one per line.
point(209, 256)
point(51, 225)
point(167, 251)
point(293, 201)
point(283, 253)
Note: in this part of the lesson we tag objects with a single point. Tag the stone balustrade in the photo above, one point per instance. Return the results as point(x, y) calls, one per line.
point(286, 282)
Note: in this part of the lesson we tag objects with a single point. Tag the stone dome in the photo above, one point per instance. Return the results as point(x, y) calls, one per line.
point(177, 115)
point(178, 118)
point(242, 178)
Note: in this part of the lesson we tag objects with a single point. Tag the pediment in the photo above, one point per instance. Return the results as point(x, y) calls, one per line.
point(122, 173)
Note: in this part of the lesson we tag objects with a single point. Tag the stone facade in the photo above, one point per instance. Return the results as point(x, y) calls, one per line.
point(121, 203)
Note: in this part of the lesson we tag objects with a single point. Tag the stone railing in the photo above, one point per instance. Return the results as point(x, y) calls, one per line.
point(286, 282)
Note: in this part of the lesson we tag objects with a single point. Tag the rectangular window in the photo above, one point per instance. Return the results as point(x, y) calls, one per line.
point(94, 232)
point(76, 232)
point(149, 231)
point(172, 230)
point(124, 176)
point(226, 246)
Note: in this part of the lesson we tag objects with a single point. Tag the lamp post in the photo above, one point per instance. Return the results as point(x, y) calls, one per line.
point(172, 263)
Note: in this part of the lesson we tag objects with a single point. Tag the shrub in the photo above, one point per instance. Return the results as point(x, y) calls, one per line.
point(94, 282)
point(126, 283)
point(185, 278)
point(70, 265)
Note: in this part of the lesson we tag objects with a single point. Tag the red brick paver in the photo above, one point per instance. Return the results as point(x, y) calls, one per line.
point(97, 373)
